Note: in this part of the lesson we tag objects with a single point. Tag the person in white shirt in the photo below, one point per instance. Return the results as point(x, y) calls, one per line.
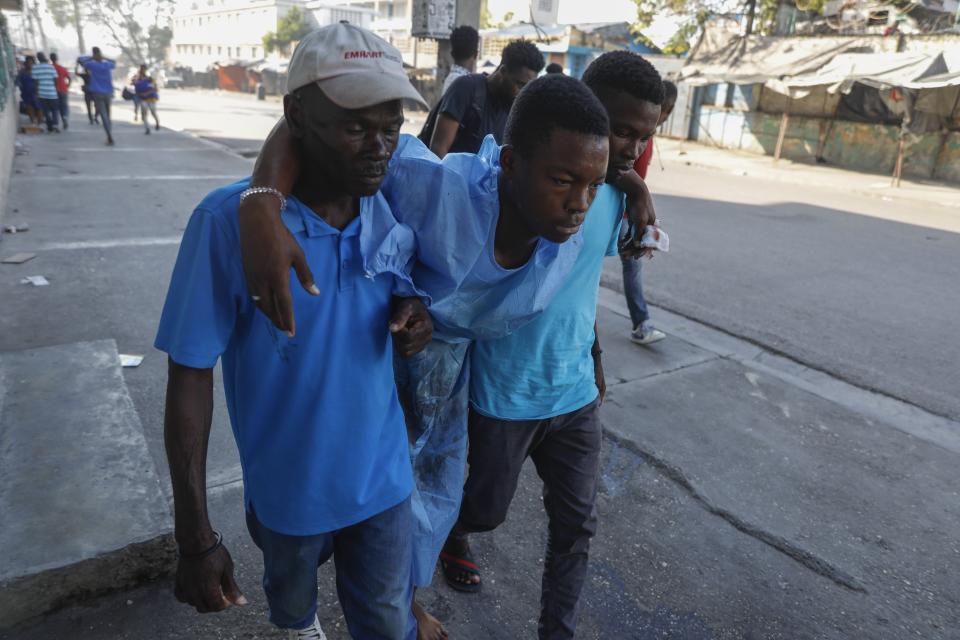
point(465, 47)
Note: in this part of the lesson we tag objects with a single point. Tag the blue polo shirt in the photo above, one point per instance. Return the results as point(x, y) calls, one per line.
point(545, 368)
point(101, 74)
point(316, 418)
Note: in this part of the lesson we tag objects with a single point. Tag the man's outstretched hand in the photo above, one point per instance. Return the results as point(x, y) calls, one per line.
point(207, 584)
point(268, 251)
point(411, 326)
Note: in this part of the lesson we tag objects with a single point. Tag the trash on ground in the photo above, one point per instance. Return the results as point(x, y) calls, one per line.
point(16, 228)
point(130, 361)
point(37, 281)
point(18, 258)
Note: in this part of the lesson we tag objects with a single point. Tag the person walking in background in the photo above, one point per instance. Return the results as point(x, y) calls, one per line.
point(146, 92)
point(84, 76)
point(46, 77)
point(141, 74)
point(29, 102)
point(553, 67)
point(63, 87)
point(101, 86)
point(644, 332)
point(464, 48)
point(477, 104)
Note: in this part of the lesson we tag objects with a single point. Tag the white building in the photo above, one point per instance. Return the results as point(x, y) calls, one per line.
point(222, 31)
point(392, 20)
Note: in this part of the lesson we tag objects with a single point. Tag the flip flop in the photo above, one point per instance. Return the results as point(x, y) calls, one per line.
point(454, 565)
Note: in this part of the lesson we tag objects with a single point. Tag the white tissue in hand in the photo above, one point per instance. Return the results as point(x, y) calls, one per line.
point(655, 238)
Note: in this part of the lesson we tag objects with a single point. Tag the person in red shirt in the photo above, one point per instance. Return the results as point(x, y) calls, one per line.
point(63, 86)
point(669, 102)
point(644, 332)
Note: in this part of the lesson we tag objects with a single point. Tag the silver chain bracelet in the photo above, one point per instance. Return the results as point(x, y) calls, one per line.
point(252, 191)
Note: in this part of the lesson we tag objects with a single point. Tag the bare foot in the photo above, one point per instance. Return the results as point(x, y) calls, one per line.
point(428, 627)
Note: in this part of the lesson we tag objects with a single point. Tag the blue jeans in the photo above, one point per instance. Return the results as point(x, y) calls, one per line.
point(373, 564)
point(633, 289)
point(51, 112)
point(63, 100)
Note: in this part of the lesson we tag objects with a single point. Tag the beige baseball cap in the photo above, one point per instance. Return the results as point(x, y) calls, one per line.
point(354, 67)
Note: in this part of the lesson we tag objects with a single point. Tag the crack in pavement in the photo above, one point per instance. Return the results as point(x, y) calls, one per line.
point(802, 556)
point(663, 372)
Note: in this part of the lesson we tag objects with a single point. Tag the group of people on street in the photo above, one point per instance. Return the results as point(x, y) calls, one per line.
point(43, 85)
point(44, 91)
point(438, 328)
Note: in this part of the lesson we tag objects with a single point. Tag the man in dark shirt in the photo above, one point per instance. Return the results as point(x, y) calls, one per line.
point(477, 105)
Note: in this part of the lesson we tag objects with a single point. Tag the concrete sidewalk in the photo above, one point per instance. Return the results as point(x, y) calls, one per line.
point(822, 176)
point(743, 495)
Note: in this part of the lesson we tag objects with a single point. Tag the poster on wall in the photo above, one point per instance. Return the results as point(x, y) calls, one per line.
point(433, 18)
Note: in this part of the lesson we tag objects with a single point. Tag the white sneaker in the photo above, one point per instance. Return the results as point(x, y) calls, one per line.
point(646, 334)
point(313, 632)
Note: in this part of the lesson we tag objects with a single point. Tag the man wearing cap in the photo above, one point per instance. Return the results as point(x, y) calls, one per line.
point(314, 412)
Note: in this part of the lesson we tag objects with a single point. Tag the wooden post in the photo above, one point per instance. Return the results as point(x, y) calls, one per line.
point(784, 121)
point(898, 167)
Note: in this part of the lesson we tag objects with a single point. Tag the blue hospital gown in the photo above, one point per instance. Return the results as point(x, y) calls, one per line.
point(452, 208)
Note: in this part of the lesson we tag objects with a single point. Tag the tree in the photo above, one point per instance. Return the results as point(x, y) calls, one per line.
point(694, 14)
point(158, 41)
point(291, 28)
point(124, 20)
point(32, 7)
point(70, 13)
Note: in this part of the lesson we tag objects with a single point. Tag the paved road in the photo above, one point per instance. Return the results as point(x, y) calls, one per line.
point(862, 287)
point(742, 496)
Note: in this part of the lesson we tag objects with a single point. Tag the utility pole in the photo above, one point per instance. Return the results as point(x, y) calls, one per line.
point(751, 10)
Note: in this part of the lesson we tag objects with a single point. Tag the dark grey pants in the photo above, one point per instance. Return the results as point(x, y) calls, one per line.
point(566, 452)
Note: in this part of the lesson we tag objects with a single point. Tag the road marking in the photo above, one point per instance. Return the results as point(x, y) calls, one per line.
point(122, 178)
point(111, 244)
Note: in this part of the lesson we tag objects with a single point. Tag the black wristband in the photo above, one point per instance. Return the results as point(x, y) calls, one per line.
point(202, 554)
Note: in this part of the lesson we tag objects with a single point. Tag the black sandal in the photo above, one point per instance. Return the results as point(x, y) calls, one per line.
point(455, 565)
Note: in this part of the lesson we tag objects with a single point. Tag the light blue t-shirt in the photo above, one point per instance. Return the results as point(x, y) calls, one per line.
point(545, 368)
point(317, 421)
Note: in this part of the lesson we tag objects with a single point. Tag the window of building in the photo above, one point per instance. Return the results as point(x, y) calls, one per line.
point(229, 52)
point(209, 50)
point(219, 51)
